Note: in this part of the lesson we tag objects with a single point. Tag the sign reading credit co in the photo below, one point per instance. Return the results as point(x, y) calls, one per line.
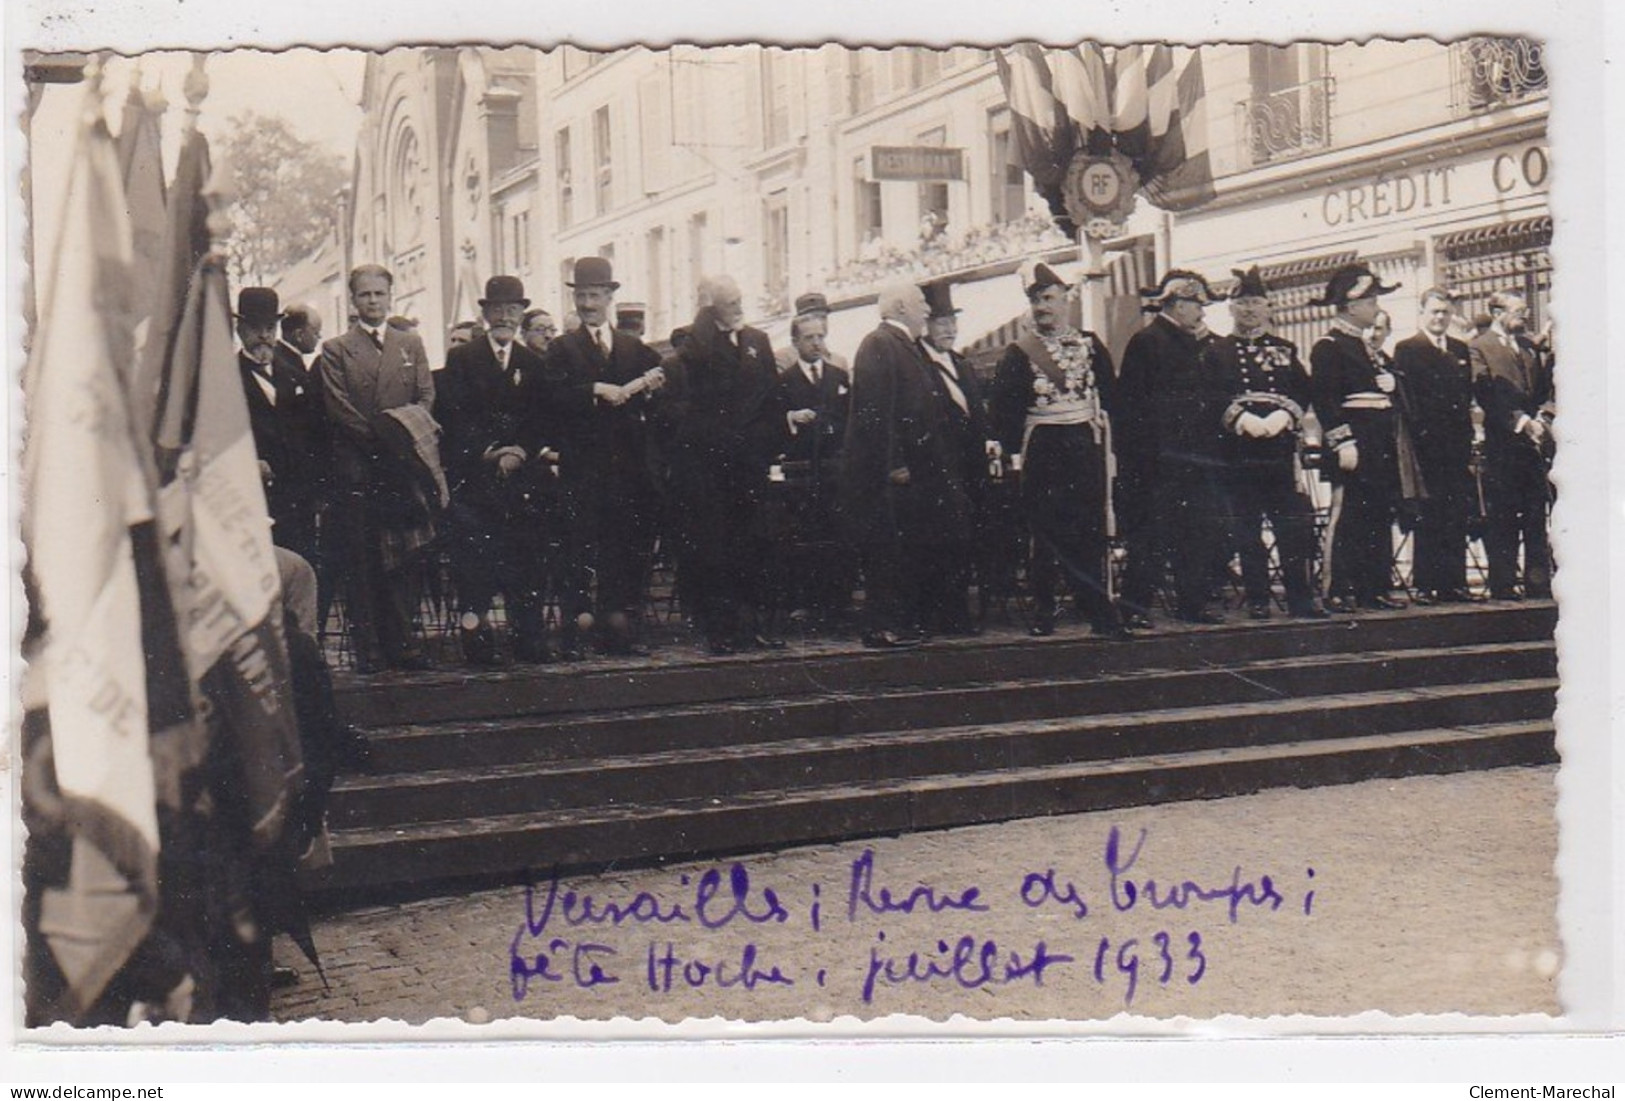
point(1397, 193)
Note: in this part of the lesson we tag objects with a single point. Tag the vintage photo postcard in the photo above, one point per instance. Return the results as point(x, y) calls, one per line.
point(1080, 533)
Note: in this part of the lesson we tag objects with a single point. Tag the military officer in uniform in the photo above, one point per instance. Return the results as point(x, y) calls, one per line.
point(1264, 392)
point(1168, 451)
point(1353, 396)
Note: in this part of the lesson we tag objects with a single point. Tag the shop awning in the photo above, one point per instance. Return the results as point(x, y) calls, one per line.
point(1523, 232)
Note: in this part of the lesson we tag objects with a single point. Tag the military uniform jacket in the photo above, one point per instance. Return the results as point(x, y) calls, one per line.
point(481, 407)
point(897, 421)
point(831, 399)
point(359, 381)
point(1258, 375)
point(1165, 415)
point(600, 445)
point(1353, 399)
point(1438, 386)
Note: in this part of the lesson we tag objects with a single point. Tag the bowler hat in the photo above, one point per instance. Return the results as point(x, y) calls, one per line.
point(1036, 275)
point(1178, 284)
point(811, 304)
point(1249, 284)
point(939, 296)
point(258, 306)
point(1350, 283)
point(504, 290)
point(594, 271)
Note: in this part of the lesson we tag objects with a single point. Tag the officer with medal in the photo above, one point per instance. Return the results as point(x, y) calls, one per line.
point(1353, 395)
point(1263, 390)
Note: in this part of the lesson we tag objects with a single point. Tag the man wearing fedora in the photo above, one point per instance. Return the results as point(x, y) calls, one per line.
point(1169, 495)
point(495, 446)
point(1264, 392)
point(946, 582)
point(596, 387)
point(812, 306)
point(288, 423)
point(726, 424)
point(1513, 379)
point(1051, 403)
point(366, 372)
point(1353, 395)
point(1436, 377)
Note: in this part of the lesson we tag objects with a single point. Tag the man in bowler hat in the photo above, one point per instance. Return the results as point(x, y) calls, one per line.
point(597, 383)
point(1353, 394)
point(496, 451)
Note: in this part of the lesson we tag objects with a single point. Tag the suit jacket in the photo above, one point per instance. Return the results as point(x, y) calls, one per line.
point(601, 447)
point(290, 435)
point(1438, 388)
point(1511, 383)
point(359, 382)
point(831, 399)
point(898, 421)
point(1165, 415)
point(480, 407)
point(969, 427)
point(723, 407)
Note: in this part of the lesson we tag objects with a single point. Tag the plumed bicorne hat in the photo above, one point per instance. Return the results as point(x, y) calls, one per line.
point(1350, 283)
point(1035, 276)
point(1176, 285)
point(1249, 284)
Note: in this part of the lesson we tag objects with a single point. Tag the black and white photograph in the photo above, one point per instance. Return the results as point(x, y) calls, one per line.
point(821, 530)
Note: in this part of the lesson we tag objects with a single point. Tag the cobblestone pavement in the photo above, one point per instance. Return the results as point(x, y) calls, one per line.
point(1418, 895)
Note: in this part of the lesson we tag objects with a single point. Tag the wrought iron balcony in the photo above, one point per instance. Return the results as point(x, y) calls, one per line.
point(1287, 122)
point(1496, 72)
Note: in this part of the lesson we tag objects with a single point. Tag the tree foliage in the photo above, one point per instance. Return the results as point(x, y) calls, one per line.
point(285, 196)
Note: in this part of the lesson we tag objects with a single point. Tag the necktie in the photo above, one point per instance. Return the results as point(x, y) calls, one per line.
point(377, 339)
point(814, 370)
point(603, 342)
point(502, 358)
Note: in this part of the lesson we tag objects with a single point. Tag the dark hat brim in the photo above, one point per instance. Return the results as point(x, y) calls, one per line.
point(611, 284)
point(523, 303)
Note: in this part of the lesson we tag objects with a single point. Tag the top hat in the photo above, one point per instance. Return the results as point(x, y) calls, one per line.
point(1177, 285)
point(1350, 283)
point(939, 296)
point(811, 304)
point(1036, 275)
point(1249, 284)
point(258, 306)
point(504, 290)
point(594, 271)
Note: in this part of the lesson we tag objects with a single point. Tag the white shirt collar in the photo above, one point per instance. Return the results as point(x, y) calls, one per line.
point(898, 325)
point(497, 349)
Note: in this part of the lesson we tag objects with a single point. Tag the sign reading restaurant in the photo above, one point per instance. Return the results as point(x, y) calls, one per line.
point(916, 162)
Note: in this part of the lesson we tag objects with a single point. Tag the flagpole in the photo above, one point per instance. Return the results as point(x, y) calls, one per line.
point(1092, 283)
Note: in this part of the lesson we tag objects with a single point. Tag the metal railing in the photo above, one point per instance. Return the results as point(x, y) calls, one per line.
point(1286, 123)
point(1496, 72)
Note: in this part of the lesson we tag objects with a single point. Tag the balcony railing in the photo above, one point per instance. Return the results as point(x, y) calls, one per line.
point(1286, 123)
point(1496, 72)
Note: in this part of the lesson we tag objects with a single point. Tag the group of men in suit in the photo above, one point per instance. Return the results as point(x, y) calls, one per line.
point(565, 465)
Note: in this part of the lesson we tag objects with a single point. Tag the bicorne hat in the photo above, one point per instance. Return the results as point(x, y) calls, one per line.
point(258, 306)
point(1350, 283)
point(1249, 284)
point(594, 271)
point(1035, 276)
point(504, 290)
point(939, 296)
point(1177, 285)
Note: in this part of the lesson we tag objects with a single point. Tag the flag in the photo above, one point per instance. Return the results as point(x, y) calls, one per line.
point(1178, 173)
point(141, 168)
point(83, 490)
point(1045, 134)
point(1082, 83)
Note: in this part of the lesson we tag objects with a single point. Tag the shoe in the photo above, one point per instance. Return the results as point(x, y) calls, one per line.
point(1342, 605)
point(1042, 629)
point(1383, 602)
point(1203, 617)
point(625, 650)
point(1309, 611)
point(891, 640)
point(1258, 609)
point(1538, 592)
point(533, 653)
point(1506, 594)
point(721, 648)
point(412, 663)
point(283, 978)
point(767, 642)
point(1457, 596)
point(1425, 599)
point(1138, 621)
point(1113, 631)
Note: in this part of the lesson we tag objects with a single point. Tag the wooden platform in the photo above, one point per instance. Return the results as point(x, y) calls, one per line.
point(497, 775)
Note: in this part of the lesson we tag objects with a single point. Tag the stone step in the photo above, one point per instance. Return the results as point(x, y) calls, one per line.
point(430, 857)
point(823, 712)
point(681, 676)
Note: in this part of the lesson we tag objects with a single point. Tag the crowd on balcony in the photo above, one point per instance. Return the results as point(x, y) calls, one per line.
point(941, 249)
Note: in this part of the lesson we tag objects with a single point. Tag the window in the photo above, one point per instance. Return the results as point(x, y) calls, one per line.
point(861, 81)
point(567, 302)
point(776, 254)
point(699, 231)
point(602, 158)
point(564, 167)
point(521, 242)
point(927, 66)
point(933, 193)
point(578, 61)
point(866, 205)
point(655, 284)
point(1289, 111)
point(1007, 182)
point(775, 98)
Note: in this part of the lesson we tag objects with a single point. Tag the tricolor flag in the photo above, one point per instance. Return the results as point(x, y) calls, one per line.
point(83, 490)
point(1142, 102)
